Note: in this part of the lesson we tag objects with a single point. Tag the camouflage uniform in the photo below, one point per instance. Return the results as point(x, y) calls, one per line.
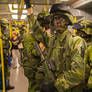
point(66, 55)
point(72, 78)
point(5, 39)
point(32, 61)
point(88, 60)
point(87, 28)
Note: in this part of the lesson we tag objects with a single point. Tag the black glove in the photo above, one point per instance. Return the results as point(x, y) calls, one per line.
point(87, 90)
point(48, 87)
point(27, 2)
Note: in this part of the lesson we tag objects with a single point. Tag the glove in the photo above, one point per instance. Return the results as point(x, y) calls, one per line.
point(48, 87)
point(27, 2)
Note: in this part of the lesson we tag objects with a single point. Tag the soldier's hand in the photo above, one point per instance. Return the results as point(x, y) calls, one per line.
point(29, 11)
point(27, 2)
point(42, 46)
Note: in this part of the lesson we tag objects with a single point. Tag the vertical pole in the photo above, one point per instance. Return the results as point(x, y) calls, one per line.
point(74, 31)
point(22, 3)
point(2, 60)
point(10, 29)
point(27, 28)
point(45, 5)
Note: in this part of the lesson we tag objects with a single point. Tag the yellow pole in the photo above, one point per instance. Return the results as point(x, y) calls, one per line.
point(10, 29)
point(10, 47)
point(2, 60)
point(45, 5)
point(31, 1)
point(27, 28)
point(74, 31)
point(22, 3)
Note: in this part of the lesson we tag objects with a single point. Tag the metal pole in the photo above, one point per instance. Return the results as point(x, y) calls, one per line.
point(2, 60)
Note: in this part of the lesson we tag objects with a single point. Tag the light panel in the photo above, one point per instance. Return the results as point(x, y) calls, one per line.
point(15, 6)
point(23, 16)
point(15, 16)
point(24, 11)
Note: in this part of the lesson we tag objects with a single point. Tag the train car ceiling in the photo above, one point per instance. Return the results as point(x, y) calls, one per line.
point(19, 14)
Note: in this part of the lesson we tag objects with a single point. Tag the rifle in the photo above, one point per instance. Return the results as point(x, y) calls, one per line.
point(48, 73)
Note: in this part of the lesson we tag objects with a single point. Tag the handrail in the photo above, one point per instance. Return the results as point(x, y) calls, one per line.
point(22, 3)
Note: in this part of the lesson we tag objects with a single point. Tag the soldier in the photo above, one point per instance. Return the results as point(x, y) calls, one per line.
point(88, 60)
point(65, 82)
point(64, 54)
point(31, 61)
point(33, 69)
point(86, 33)
point(5, 39)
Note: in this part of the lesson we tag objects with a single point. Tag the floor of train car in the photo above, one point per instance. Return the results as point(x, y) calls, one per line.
point(18, 80)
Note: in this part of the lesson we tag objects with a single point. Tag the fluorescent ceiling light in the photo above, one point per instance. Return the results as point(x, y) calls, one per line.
point(15, 16)
point(15, 6)
point(23, 16)
point(24, 6)
point(24, 11)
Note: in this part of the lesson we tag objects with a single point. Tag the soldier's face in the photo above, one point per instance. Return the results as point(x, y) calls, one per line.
point(59, 22)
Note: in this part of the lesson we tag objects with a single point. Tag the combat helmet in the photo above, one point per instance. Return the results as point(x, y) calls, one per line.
point(87, 26)
point(63, 10)
point(84, 29)
point(4, 22)
point(4, 26)
point(43, 18)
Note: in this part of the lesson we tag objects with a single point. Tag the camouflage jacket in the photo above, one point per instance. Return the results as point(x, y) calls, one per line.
point(31, 59)
point(29, 51)
point(67, 55)
point(88, 60)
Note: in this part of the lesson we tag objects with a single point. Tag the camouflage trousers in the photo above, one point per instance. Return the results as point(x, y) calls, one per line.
point(35, 80)
point(78, 88)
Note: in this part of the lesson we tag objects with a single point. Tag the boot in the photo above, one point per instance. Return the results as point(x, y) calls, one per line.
point(9, 87)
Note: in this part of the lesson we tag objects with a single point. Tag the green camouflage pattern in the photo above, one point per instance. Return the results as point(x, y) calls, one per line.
point(87, 26)
point(72, 79)
point(88, 60)
point(31, 62)
point(41, 17)
point(66, 57)
point(70, 17)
